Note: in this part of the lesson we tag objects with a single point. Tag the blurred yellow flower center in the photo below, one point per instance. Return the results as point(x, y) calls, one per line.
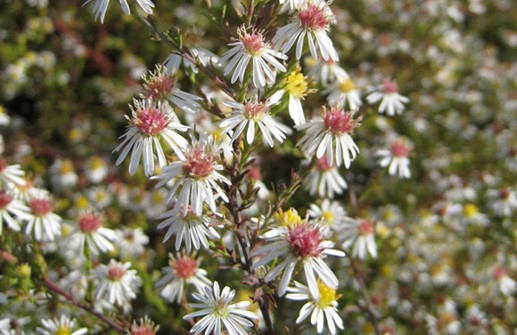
point(328, 216)
point(289, 218)
point(327, 295)
point(63, 330)
point(470, 210)
point(66, 167)
point(347, 85)
point(296, 84)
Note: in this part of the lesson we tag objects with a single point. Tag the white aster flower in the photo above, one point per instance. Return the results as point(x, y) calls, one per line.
point(251, 114)
point(391, 101)
point(131, 242)
point(43, 223)
point(252, 47)
point(90, 232)
point(116, 284)
point(63, 175)
point(506, 284)
point(326, 72)
point(12, 211)
point(331, 213)
point(150, 122)
point(312, 20)
point(321, 309)
point(324, 179)
point(295, 241)
point(59, 326)
point(503, 201)
point(182, 270)
point(218, 312)
point(344, 93)
point(195, 230)
point(101, 6)
point(11, 175)
point(296, 85)
point(359, 233)
point(396, 158)
point(161, 84)
point(194, 178)
point(289, 5)
point(96, 169)
point(331, 136)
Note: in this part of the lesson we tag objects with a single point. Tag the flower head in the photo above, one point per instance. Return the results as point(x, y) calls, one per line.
point(182, 270)
point(252, 47)
point(324, 179)
point(43, 222)
point(60, 326)
point(218, 312)
point(150, 122)
point(321, 309)
point(391, 101)
point(298, 241)
point(331, 136)
point(312, 20)
point(144, 326)
point(101, 6)
point(194, 178)
point(396, 158)
point(360, 233)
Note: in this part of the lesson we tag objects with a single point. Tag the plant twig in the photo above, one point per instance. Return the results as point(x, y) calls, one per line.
point(54, 287)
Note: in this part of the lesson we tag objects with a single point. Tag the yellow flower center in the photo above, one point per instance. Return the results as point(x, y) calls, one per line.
point(327, 295)
point(296, 84)
point(63, 330)
point(289, 218)
point(470, 210)
point(328, 216)
point(95, 163)
point(67, 167)
point(81, 202)
point(157, 197)
point(347, 85)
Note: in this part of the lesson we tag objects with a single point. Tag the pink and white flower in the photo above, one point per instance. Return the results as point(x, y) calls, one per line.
point(254, 113)
point(324, 179)
point(12, 211)
point(43, 223)
point(396, 158)
point(331, 136)
point(194, 178)
point(90, 232)
point(182, 270)
point(312, 20)
point(150, 121)
point(360, 234)
point(298, 241)
point(391, 101)
point(252, 47)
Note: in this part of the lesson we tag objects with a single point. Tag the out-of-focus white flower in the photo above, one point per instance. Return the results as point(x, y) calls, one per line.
point(326, 71)
point(203, 56)
point(150, 122)
point(218, 312)
point(12, 211)
point(194, 178)
point(312, 20)
point(251, 114)
point(95, 169)
point(63, 175)
point(324, 179)
point(360, 233)
point(503, 201)
point(58, 326)
point(321, 309)
point(396, 158)
point(331, 213)
point(507, 285)
point(331, 136)
point(90, 232)
point(195, 230)
point(391, 101)
point(131, 242)
point(161, 84)
point(344, 93)
point(181, 270)
point(43, 223)
point(252, 47)
point(296, 241)
point(101, 6)
point(11, 175)
point(116, 284)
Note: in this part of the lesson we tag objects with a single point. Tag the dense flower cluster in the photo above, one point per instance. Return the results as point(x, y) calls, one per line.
point(275, 135)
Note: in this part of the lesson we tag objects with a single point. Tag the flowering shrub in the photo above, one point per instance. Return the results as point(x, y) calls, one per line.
point(258, 167)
